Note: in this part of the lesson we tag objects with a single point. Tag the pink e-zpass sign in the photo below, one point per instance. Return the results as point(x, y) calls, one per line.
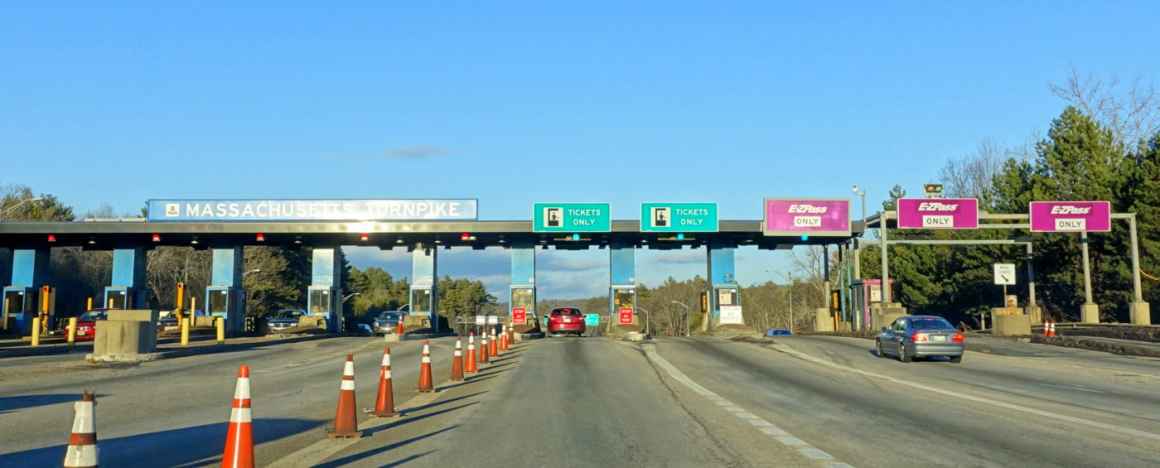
point(938, 213)
point(806, 216)
point(1071, 216)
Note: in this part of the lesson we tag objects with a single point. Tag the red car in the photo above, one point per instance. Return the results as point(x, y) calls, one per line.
point(87, 324)
point(566, 320)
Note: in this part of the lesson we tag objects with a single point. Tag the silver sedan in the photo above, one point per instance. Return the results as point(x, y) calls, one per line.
point(919, 336)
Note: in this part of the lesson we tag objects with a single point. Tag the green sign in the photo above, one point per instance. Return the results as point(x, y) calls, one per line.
point(591, 320)
point(571, 217)
point(678, 217)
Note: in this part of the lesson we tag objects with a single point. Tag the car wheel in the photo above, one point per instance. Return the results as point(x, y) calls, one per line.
point(902, 356)
point(957, 359)
point(878, 348)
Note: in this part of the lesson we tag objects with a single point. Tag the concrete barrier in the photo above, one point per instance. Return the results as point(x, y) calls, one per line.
point(1010, 321)
point(823, 321)
point(881, 316)
point(125, 336)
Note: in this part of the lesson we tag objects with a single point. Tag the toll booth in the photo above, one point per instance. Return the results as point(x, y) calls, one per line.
point(424, 294)
point(863, 293)
point(725, 296)
point(622, 285)
point(324, 296)
point(522, 293)
point(224, 297)
point(126, 288)
point(22, 300)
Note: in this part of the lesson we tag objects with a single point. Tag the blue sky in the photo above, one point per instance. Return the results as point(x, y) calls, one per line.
point(518, 102)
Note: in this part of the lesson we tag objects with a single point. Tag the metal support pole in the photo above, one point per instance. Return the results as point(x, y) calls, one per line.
point(1137, 293)
point(1087, 272)
point(1030, 276)
point(886, 299)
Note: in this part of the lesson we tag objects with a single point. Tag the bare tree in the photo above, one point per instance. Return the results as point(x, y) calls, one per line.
point(1133, 114)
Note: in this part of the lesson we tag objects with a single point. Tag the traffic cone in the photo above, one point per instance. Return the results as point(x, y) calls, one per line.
point(503, 340)
point(426, 380)
point(345, 419)
point(239, 452)
point(469, 363)
point(399, 330)
point(1051, 328)
point(385, 401)
point(82, 442)
point(483, 357)
point(457, 363)
point(494, 342)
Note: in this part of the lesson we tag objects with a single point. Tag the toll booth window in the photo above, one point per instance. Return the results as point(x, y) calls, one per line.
point(320, 302)
point(522, 297)
point(116, 300)
point(218, 302)
point(624, 298)
point(727, 297)
point(421, 300)
point(13, 303)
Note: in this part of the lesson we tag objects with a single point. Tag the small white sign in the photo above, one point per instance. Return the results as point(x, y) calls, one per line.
point(481, 320)
point(731, 315)
point(1005, 274)
point(493, 320)
point(1070, 224)
point(938, 221)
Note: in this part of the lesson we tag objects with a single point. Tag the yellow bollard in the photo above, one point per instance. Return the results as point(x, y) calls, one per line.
point(185, 331)
point(221, 330)
point(36, 331)
point(72, 332)
point(89, 304)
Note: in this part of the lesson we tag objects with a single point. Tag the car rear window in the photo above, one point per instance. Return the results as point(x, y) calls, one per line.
point(930, 324)
point(558, 312)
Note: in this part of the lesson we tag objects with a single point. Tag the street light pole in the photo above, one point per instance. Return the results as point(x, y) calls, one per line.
point(687, 310)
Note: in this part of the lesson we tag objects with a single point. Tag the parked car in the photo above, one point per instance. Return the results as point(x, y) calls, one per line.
point(566, 320)
point(386, 322)
point(778, 332)
point(363, 329)
point(920, 336)
point(87, 324)
point(283, 320)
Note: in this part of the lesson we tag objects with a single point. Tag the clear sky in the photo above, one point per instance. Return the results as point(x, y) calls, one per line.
point(519, 102)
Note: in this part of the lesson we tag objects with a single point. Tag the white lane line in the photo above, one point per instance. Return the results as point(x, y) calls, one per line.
point(1046, 414)
point(766, 427)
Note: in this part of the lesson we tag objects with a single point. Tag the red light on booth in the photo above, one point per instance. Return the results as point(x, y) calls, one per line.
point(364, 236)
point(156, 237)
point(260, 237)
point(52, 238)
point(465, 236)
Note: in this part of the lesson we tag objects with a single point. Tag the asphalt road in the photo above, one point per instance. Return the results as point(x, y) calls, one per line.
point(801, 401)
point(988, 411)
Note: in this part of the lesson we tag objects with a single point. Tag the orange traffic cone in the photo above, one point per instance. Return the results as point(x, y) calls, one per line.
point(483, 356)
point(1051, 328)
point(239, 451)
point(469, 363)
point(426, 380)
point(494, 342)
point(385, 401)
point(345, 419)
point(399, 330)
point(82, 442)
point(502, 340)
point(457, 363)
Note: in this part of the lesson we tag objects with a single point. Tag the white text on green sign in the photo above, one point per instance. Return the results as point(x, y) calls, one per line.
point(678, 217)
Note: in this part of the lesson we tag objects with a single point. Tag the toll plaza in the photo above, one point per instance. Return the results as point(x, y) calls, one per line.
point(423, 227)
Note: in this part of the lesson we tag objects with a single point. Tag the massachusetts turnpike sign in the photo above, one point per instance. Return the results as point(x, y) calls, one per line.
point(312, 210)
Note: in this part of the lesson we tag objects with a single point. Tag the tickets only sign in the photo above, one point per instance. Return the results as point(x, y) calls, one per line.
point(1071, 216)
point(938, 213)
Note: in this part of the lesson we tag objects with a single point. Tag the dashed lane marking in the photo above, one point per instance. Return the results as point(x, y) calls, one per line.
point(766, 427)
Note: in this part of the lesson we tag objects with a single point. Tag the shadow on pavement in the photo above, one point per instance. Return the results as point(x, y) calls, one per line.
point(386, 448)
point(441, 402)
point(469, 381)
point(410, 419)
point(163, 448)
point(13, 403)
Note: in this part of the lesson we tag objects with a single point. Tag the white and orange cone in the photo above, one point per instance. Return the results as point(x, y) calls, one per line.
point(426, 380)
point(385, 401)
point(239, 452)
point(483, 357)
point(345, 417)
point(457, 362)
point(494, 342)
point(82, 442)
point(469, 362)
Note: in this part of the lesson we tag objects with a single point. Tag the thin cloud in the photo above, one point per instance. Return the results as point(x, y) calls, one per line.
point(415, 152)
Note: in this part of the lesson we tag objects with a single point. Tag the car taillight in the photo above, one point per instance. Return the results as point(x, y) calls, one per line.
point(917, 337)
point(958, 338)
